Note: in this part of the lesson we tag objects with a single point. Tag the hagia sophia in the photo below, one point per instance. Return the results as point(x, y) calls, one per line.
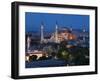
point(56, 37)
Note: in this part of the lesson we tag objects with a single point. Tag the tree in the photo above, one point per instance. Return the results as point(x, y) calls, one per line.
point(63, 44)
point(80, 56)
point(32, 58)
point(48, 50)
point(42, 58)
point(63, 54)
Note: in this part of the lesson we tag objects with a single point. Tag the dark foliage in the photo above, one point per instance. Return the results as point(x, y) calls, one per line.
point(33, 58)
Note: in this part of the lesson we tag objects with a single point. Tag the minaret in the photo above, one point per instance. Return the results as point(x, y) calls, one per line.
point(28, 44)
point(71, 29)
point(42, 36)
point(56, 33)
point(84, 34)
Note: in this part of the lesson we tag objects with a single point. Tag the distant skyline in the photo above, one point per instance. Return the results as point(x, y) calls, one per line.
point(33, 21)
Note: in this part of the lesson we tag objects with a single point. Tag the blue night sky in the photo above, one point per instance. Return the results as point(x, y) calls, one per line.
point(33, 21)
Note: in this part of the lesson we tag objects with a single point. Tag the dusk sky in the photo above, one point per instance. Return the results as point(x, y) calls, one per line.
point(33, 21)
